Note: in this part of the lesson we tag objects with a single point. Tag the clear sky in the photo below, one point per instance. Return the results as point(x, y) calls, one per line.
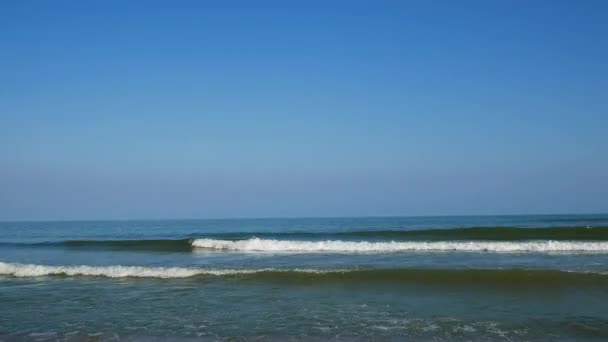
point(195, 109)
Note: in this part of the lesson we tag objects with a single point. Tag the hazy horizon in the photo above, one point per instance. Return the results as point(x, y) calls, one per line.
point(299, 217)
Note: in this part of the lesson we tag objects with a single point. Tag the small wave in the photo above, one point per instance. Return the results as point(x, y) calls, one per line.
point(481, 234)
point(167, 245)
point(33, 270)
point(444, 277)
point(584, 233)
point(492, 233)
point(339, 246)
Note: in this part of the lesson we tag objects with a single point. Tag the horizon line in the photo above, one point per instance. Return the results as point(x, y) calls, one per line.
point(294, 217)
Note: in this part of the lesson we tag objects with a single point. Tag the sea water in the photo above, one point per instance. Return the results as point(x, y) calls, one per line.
point(464, 278)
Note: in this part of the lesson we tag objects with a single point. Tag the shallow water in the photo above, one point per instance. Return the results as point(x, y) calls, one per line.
point(489, 278)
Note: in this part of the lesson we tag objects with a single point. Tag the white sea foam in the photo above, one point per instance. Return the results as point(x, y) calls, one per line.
point(33, 270)
point(338, 246)
point(120, 271)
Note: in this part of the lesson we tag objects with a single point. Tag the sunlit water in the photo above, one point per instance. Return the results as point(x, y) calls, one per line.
point(488, 278)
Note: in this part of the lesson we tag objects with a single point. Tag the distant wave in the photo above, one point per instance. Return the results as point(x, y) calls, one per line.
point(544, 236)
point(163, 245)
point(491, 233)
point(470, 233)
point(498, 277)
point(573, 218)
point(338, 246)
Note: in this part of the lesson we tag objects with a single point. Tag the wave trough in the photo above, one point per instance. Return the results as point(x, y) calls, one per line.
point(339, 246)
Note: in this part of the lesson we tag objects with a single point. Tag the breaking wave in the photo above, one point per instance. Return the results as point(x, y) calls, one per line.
point(470, 239)
point(33, 270)
point(443, 277)
point(339, 246)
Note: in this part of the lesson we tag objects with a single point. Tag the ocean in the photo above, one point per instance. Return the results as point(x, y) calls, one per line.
point(464, 278)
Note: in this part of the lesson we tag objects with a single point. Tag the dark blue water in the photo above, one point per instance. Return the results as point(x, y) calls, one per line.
point(423, 278)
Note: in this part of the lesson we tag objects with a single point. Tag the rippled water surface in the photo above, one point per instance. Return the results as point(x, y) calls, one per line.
point(488, 278)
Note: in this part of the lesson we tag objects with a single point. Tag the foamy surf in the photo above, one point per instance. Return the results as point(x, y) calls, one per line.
point(339, 246)
point(32, 270)
point(496, 277)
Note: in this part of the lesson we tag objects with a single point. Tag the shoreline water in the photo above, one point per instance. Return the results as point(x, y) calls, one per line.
point(345, 280)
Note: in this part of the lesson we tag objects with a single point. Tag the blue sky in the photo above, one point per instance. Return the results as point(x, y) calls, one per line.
point(194, 109)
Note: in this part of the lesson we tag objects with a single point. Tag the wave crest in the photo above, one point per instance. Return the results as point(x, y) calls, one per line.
point(339, 246)
point(32, 270)
point(545, 279)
